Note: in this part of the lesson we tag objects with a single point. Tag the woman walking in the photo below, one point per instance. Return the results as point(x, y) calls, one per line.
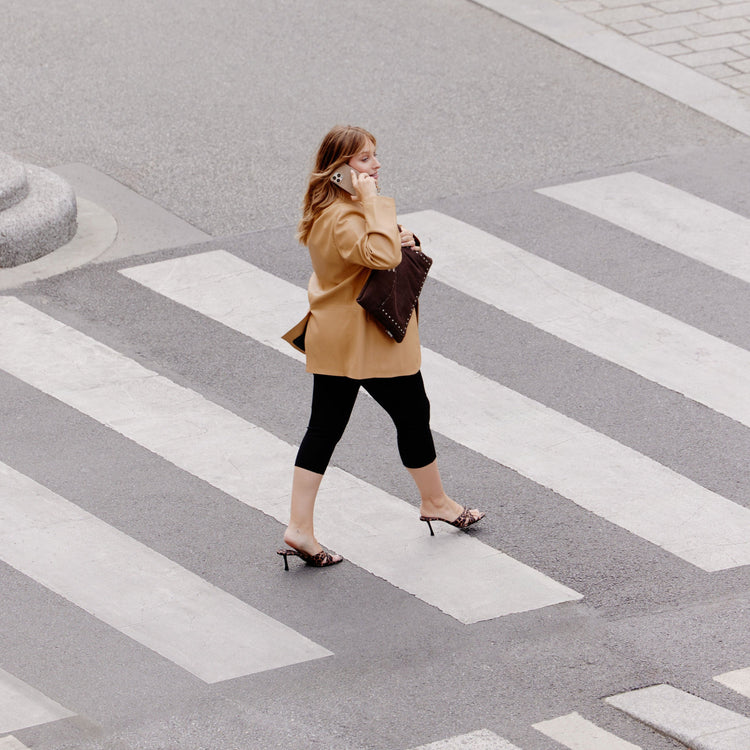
point(348, 236)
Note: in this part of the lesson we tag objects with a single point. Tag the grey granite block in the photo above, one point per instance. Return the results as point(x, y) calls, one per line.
point(39, 224)
point(14, 186)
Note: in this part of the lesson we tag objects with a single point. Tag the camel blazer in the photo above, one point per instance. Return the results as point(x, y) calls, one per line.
point(347, 240)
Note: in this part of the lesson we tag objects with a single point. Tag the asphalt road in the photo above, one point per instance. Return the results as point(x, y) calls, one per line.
point(213, 112)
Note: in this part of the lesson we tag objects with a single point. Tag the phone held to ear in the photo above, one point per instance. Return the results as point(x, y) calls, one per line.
point(343, 178)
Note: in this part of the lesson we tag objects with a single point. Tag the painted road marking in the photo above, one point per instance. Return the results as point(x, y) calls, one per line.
point(453, 571)
point(594, 471)
point(482, 739)
point(137, 591)
point(685, 717)
point(661, 213)
point(577, 733)
point(11, 743)
point(23, 706)
point(612, 326)
point(738, 680)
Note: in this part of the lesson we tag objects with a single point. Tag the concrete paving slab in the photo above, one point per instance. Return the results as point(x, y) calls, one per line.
point(599, 43)
point(696, 722)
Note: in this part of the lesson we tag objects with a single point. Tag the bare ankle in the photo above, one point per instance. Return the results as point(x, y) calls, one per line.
point(301, 539)
point(437, 505)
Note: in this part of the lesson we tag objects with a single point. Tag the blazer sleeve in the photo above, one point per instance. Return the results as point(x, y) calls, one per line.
point(367, 234)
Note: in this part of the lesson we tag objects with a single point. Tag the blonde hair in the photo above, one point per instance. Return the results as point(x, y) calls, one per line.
point(340, 144)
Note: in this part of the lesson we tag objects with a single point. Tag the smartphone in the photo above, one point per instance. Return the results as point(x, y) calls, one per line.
point(343, 178)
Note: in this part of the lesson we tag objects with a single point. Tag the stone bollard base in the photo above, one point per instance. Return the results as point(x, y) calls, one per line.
point(41, 216)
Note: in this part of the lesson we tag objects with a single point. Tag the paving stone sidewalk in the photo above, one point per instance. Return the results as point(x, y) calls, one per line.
point(710, 36)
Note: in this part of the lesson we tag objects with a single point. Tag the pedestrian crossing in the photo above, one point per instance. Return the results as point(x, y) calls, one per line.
point(458, 574)
point(183, 618)
point(594, 471)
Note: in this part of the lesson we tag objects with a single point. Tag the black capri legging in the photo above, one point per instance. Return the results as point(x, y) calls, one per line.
point(404, 399)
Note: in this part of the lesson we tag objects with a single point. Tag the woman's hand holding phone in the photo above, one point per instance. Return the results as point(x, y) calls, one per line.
point(364, 186)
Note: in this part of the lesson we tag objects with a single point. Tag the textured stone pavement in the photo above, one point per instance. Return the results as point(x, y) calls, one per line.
point(710, 36)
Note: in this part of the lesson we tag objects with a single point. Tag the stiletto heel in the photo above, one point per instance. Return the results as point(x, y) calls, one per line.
point(285, 552)
point(321, 560)
point(465, 519)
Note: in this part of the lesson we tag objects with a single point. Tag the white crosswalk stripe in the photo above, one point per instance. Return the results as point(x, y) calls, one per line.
point(11, 743)
point(482, 739)
point(662, 213)
point(577, 733)
point(23, 706)
point(689, 719)
point(594, 471)
point(138, 591)
point(458, 574)
point(650, 343)
point(738, 680)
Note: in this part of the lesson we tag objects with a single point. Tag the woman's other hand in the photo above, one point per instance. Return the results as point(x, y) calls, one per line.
point(364, 185)
point(407, 238)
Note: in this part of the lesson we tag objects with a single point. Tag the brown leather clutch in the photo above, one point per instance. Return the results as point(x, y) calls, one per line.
point(390, 296)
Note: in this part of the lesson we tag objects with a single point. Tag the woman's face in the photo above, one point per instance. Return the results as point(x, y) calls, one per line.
point(366, 161)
